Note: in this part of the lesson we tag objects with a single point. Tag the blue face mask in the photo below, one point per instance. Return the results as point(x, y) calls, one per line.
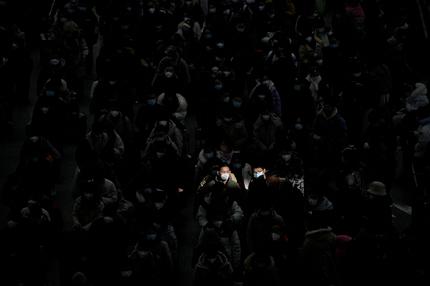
point(151, 102)
point(237, 104)
point(218, 87)
point(258, 174)
point(209, 155)
point(50, 93)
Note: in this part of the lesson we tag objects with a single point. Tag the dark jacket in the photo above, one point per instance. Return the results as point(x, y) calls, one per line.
point(319, 257)
point(218, 273)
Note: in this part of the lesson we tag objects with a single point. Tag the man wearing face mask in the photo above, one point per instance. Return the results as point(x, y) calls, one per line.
point(329, 133)
point(230, 184)
point(175, 64)
point(165, 130)
point(266, 130)
point(258, 189)
point(146, 117)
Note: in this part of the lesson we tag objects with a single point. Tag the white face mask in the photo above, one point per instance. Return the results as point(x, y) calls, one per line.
point(225, 176)
point(298, 126)
point(258, 174)
point(276, 236)
point(34, 139)
point(159, 205)
point(286, 157)
point(265, 117)
point(114, 113)
point(168, 74)
point(44, 110)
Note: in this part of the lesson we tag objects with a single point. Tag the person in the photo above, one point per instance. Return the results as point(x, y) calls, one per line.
point(99, 147)
point(264, 225)
point(87, 208)
point(165, 130)
point(377, 207)
point(175, 103)
point(266, 130)
point(258, 190)
point(218, 203)
point(229, 242)
point(260, 269)
point(329, 132)
point(213, 266)
point(319, 254)
point(151, 260)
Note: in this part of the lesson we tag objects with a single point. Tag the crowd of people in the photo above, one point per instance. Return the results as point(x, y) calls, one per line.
point(287, 123)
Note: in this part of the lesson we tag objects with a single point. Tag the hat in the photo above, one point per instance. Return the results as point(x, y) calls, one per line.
point(377, 189)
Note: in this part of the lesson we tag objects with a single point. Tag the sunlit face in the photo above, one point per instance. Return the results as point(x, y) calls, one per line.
point(224, 170)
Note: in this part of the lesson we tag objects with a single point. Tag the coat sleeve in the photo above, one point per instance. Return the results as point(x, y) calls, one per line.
point(202, 216)
point(181, 112)
point(236, 253)
point(236, 213)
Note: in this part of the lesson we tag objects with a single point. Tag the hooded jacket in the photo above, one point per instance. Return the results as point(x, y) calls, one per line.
point(319, 257)
point(217, 273)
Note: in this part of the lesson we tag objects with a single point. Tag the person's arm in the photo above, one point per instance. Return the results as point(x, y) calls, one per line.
point(202, 216)
point(236, 252)
point(118, 144)
point(181, 112)
point(236, 213)
point(110, 194)
point(75, 215)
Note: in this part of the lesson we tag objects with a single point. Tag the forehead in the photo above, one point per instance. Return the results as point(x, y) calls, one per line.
point(224, 169)
point(258, 169)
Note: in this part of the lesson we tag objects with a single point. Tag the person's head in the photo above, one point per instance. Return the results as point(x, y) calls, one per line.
point(169, 72)
point(329, 106)
point(163, 124)
point(209, 152)
point(79, 279)
point(151, 100)
point(90, 192)
point(160, 150)
point(148, 239)
point(265, 116)
point(35, 209)
point(224, 173)
point(259, 172)
point(172, 52)
point(313, 199)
